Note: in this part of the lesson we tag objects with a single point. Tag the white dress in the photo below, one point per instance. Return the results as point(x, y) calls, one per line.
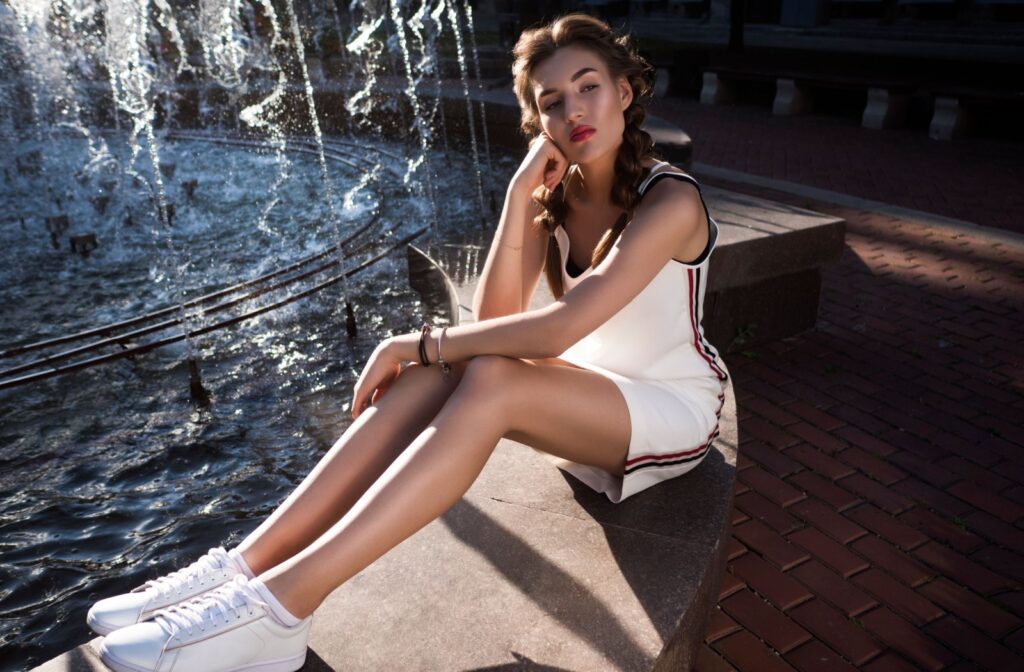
point(654, 350)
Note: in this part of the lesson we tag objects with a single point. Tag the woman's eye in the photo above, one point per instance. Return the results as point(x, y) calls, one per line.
point(588, 87)
point(550, 106)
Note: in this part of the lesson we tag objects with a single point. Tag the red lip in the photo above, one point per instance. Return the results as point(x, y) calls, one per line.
point(581, 133)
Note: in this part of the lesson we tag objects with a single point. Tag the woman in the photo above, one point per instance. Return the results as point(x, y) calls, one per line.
point(613, 379)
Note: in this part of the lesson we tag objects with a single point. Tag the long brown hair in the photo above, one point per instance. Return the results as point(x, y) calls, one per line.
point(620, 57)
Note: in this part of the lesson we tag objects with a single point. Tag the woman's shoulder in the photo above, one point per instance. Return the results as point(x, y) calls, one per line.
point(654, 170)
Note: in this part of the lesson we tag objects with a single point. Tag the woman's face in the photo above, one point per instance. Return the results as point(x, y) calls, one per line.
point(579, 103)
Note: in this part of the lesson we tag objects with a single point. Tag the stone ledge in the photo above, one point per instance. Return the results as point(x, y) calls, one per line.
point(533, 569)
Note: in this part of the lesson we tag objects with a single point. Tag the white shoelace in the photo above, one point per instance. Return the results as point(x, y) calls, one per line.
point(224, 604)
point(187, 577)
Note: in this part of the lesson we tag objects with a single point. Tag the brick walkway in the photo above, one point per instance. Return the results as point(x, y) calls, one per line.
point(879, 512)
point(972, 179)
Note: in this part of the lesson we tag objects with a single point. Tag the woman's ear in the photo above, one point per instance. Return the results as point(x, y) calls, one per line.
point(625, 92)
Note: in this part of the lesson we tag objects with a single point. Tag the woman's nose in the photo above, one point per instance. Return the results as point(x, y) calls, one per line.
point(573, 108)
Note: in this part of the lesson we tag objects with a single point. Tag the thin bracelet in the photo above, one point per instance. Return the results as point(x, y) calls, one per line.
point(446, 368)
point(424, 330)
point(511, 246)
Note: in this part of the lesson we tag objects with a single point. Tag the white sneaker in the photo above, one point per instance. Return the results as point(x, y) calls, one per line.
point(225, 630)
point(215, 568)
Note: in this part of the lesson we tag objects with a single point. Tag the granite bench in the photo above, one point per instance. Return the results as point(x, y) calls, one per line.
point(531, 569)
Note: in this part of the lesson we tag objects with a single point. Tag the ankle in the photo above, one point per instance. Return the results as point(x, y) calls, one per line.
point(281, 612)
point(243, 563)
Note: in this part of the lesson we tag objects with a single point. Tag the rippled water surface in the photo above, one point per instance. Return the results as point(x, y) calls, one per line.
point(110, 476)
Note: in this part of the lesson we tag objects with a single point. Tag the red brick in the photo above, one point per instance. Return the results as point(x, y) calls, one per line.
point(709, 660)
point(720, 625)
point(746, 652)
point(771, 459)
point(892, 560)
point(884, 497)
point(824, 489)
point(730, 585)
point(765, 621)
point(918, 446)
point(873, 466)
point(973, 645)
point(988, 479)
point(890, 662)
point(736, 549)
point(756, 428)
point(831, 553)
point(1001, 560)
point(962, 570)
point(907, 640)
point(766, 390)
point(816, 657)
point(1016, 641)
point(932, 497)
point(818, 462)
point(833, 628)
point(986, 500)
point(859, 418)
point(996, 530)
point(898, 597)
point(783, 591)
point(1012, 601)
point(858, 437)
point(822, 517)
point(771, 487)
point(742, 462)
point(926, 471)
point(815, 416)
point(770, 411)
point(942, 529)
point(772, 546)
point(829, 586)
point(738, 516)
point(977, 611)
point(769, 513)
point(887, 527)
point(817, 438)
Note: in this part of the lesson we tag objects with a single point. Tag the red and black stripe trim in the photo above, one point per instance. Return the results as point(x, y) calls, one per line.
point(663, 460)
point(703, 348)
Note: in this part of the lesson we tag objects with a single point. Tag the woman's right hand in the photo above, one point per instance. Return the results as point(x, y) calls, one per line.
point(544, 165)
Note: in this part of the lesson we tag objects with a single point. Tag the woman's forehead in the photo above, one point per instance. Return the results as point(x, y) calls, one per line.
point(561, 67)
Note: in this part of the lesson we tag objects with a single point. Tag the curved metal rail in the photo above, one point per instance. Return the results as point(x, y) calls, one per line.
point(50, 360)
point(140, 349)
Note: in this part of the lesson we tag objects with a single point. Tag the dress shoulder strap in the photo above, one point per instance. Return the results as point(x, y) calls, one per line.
point(656, 176)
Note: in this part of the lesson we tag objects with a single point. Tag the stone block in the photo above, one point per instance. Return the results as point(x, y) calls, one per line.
point(717, 91)
point(884, 109)
point(790, 98)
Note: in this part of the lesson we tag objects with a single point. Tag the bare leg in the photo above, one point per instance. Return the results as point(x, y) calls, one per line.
point(356, 460)
point(577, 414)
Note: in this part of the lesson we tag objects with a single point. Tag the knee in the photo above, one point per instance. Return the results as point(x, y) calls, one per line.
point(488, 374)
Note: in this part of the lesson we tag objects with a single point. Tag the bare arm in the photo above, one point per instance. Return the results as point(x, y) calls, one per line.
point(513, 261)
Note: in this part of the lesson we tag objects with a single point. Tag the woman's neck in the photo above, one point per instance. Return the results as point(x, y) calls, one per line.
point(591, 185)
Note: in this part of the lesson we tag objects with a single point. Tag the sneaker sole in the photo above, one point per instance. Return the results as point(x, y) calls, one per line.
point(285, 665)
point(97, 626)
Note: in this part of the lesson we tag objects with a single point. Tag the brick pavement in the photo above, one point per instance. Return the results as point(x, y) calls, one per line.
point(879, 511)
point(973, 179)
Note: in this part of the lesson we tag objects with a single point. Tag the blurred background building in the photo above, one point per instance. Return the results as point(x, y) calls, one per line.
point(947, 67)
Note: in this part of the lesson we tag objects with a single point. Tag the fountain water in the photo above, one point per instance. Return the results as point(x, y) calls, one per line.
point(167, 211)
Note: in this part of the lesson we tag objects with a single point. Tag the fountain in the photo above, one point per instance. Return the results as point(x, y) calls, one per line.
point(190, 222)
